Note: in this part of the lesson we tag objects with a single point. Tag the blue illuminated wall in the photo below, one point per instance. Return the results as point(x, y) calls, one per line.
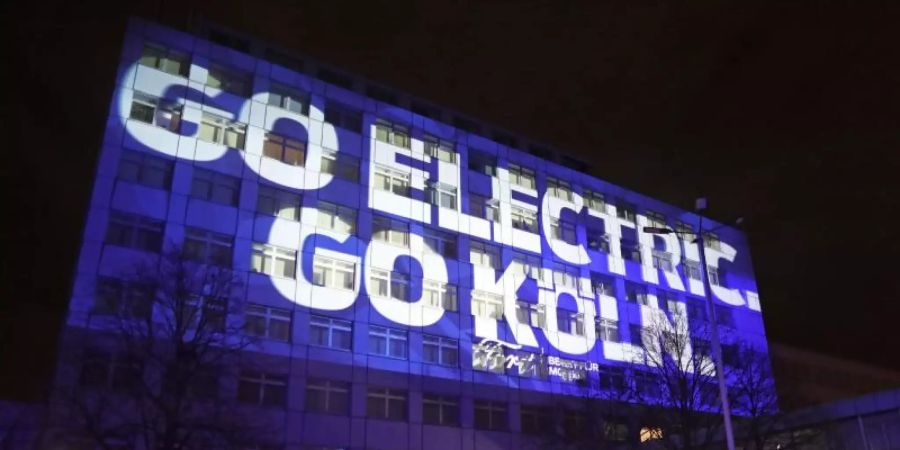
point(565, 281)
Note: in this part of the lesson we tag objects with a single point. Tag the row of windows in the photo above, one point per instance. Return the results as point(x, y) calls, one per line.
point(224, 189)
point(121, 373)
point(116, 296)
point(221, 130)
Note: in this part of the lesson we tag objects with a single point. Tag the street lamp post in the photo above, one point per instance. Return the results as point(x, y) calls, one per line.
point(710, 312)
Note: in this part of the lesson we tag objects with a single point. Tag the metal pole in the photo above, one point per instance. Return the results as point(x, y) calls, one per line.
point(717, 348)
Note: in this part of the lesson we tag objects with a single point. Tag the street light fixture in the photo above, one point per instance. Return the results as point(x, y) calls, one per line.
point(700, 205)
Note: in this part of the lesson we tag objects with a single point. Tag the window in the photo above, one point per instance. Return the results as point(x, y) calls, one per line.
point(724, 316)
point(636, 334)
point(607, 330)
point(343, 116)
point(595, 200)
point(205, 312)
point(559, 188)
point(117, 371)
point(262, 389)
point(440, 410)
point(485, 304)
point(683, 230)
point(692, 269)
point(650, 434)
point(521, 176)
point(229, 80)
point(489, 358)
point(615, 430)
point(284, 149)
point(215, 187)
point(272, 260)
point(208, 247)
point(155, 111)
point(563, 230)
point(531, 314)
point(531, 365)
point(340, 165)
point(714, 276)
point(440, 350)
point(668, 301)
point(383, 403)
point(655, 219)
point(165, 59)
point(490, 415)
point(662, 260)
point(711, 240)
point(327, 396)
point(564, 275)
point(612, 378)
point(268, 322)
point(392, 133)
point(388, 342)
point(392, 181)
point(483, 163)
point(333, 273)
point(571, 322)
point(524, 219)
point(278, 203)
point(483, 207)
point(289, 99)
point(527, 264)
point(636, 293)
point(439, 295)
point(200, 383)
point(647, 385)
point(631, 250)
point(223, 131)
point(534, 419)
point(145, 169)
point(440, 149)
point(696, 309)
point(603, 285)
point(441, 195)
point(336, 217)
point(483, 254)
point(384, 283)
point(625, 211)
point(730, 355)
point(441, 243)
point(331, 333)
point(133, 231)
point(392, 231)
point(122, 298)
point(597, 240)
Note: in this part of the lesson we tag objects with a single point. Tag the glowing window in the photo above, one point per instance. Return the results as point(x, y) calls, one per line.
point(392, 181)
point(165, 59)
point(440, 149)
point(524, 219)
point(220, 130)
point(278, 203)
point(521, 176)
point(336, 217)
point(272, 260)
point(333, 273)
point(392, 133)
point(486, 304)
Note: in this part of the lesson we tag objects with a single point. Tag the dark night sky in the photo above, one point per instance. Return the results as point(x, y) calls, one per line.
point(783, 112)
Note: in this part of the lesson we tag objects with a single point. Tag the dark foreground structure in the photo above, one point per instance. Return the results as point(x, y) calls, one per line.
point(280, 255)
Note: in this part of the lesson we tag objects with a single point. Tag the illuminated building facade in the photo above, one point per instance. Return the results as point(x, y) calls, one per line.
point(416, 280)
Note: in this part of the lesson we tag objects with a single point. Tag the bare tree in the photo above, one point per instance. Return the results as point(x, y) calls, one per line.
point(754, 397)
point(678, 389)
point(147, 369)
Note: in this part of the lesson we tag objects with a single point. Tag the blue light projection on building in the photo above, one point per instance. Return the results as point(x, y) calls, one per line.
point(394, 241)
